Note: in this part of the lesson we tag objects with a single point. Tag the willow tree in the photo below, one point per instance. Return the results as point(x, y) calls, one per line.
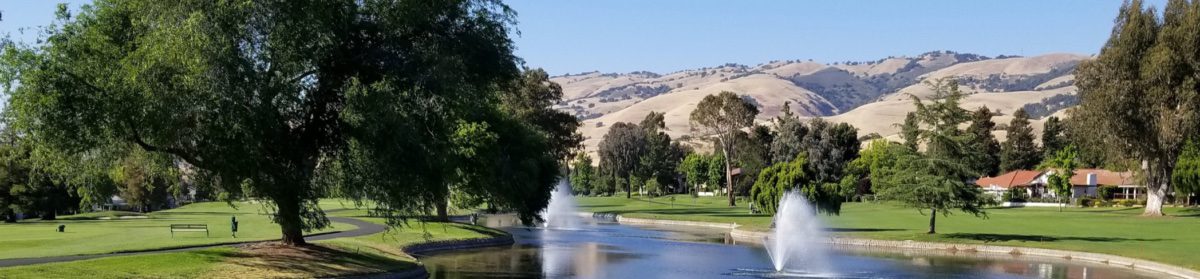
point(1141, 95)
point(722, 116)
point(266, 95)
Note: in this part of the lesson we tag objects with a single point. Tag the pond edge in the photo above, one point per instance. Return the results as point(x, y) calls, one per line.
point(750, 236)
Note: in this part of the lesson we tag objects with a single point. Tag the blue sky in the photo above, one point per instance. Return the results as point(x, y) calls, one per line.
point(668, 35)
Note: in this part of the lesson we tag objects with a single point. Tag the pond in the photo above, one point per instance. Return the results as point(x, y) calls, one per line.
point(599, 249)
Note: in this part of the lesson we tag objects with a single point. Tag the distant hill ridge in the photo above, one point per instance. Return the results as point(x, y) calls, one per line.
point(871, 95)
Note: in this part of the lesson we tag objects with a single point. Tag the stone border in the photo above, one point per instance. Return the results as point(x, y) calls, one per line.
point(458, 244)
point(1112, 260)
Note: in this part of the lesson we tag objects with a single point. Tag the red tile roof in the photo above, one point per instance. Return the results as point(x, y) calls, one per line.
point(1010, 179)
point(1103, 177)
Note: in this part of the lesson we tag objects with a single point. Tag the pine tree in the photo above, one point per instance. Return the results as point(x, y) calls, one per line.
point(988, 161)
point(1052, 132)
point(1019, 152)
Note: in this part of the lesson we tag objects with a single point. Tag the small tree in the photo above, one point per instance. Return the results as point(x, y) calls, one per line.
point(1063, 166)
point(776, 180)
point(1186, 178)
point(722, 116)
point(694, 168)
point(930, 183)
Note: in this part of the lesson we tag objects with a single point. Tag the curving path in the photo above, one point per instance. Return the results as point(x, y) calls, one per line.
point(364, 228)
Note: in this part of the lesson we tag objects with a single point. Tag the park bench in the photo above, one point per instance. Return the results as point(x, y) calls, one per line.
point(189, 228)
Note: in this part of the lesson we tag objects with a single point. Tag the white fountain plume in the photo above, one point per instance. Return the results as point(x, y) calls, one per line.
point(561, 212)
point(794, 241)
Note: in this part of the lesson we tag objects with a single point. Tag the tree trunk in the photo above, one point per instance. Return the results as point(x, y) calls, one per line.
point(629, 187)
point(933, 221)
point(442, 212)
point(729, 177)
point(1156, 187)
point(288, 217)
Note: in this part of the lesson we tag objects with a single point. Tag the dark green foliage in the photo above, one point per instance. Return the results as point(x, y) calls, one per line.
point(1141, 91)
point(936, 179)
point(828, 148)
point(753, 155)
point(662, 156)
point(988, 163)
point(1015, 195)
point(909, 131)
point(621, 152)
point(789, 139)
point(1053, 132)
point(1018, 151)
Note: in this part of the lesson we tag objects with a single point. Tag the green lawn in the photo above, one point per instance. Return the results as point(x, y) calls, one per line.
point(1118, 231)
point(87, 234)
point(329, 258)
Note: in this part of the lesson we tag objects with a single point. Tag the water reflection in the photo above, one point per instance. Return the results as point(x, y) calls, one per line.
point(607, 250)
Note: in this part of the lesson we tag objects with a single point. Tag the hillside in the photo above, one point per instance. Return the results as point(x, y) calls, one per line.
point(872, 95)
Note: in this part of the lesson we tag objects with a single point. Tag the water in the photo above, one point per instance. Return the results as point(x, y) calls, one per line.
point(795, 241)
point(597, 249)
point(562, 212)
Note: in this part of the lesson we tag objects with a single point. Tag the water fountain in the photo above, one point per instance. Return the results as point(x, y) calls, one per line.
point(794, 241)
point(561, 213)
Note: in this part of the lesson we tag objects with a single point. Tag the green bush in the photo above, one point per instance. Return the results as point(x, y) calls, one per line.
point(1127, 202)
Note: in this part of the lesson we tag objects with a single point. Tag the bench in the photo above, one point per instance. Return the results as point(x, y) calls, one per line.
point(189, 228)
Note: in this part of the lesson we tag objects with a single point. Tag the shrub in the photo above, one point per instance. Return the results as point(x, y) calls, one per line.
point(1086, 202)
point(1127, 202)
point(1106, 192)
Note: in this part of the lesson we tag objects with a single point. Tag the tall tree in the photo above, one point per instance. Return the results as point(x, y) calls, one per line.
point(828, 148)
point(1019, 152)
point(789, 138)
point(909, 131)
point(583, 174)
point(722, 116)
point(936, 179)
point(269, 94)
point(981, 132)
point(753, 156)
point(1053, 132)
point(661, 156)
point(621, 152)
point(1141, 91)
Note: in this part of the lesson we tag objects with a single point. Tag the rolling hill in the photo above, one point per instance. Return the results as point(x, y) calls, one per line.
point(872, 95)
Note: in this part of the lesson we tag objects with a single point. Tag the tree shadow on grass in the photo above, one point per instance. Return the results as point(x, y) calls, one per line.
point(991, 237)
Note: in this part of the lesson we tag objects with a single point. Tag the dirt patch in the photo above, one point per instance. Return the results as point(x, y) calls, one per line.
point(277, 260)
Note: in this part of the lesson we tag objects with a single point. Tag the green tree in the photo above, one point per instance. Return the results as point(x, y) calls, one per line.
point(776, 180)
point(716, 172)
point(982, 140)
point(909, 131)
point(1186, 178)
point(694, 169)
point(828, 148)
point(583, 174)
point(1019, 152)
point(1062, 166)
point(621, 152)
point(752, 157)
point(1053, 132)
point(789, 138)
point(1141, 90)
point(722, 116)
point(936, 179)
point(871, 162)
point(146, 180)
point(277, 95)
point(662, 156)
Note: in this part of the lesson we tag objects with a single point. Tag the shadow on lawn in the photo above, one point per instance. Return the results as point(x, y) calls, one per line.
point(991, 237)
point(862, 230)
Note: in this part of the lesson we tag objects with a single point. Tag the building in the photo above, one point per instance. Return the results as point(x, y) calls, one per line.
point(1085, 183)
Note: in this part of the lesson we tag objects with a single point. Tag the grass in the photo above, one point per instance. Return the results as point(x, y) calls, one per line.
point(328, 258)
point(1118, 231)
point(87, 234)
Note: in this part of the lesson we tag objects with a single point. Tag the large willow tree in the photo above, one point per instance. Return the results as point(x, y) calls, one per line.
point(392, 101)
point(1141, 95)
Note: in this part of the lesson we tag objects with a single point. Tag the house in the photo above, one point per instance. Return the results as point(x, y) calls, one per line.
point(1021, 179)
point(1085, 183)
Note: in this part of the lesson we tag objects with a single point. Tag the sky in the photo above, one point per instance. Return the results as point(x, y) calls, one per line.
point(668, 35)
